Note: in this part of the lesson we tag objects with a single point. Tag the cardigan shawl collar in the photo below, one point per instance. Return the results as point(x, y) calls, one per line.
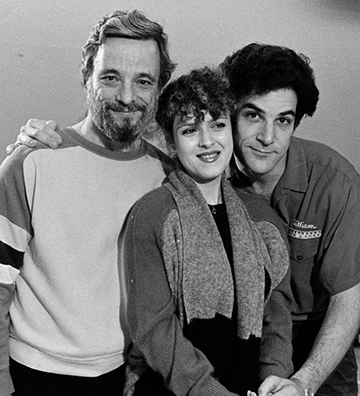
point(204, 282)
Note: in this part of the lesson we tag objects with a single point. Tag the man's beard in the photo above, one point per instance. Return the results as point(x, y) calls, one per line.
point(125, 131)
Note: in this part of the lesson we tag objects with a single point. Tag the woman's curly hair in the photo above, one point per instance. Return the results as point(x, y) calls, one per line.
point(201, 90)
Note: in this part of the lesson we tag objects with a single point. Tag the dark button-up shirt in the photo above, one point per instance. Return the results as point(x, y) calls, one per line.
point(318, 200)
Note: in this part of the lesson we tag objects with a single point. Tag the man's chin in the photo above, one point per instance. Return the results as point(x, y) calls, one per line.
point(123, 118)
point(125, 133)
point(122, 139)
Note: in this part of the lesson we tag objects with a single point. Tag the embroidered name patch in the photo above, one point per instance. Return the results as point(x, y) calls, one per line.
point(301, 230)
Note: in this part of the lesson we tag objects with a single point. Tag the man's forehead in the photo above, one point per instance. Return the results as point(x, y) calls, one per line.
point(280, 98)
point(141, 56)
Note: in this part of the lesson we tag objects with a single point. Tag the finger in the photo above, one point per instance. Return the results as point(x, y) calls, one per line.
point(35, 129)
point(285, 389)
point(51, 129)
point(28, 130)
point(35, 123)
point(269, 386)
point(10, 148)
point(26, 139)
point(43, 136)
point(53, 125)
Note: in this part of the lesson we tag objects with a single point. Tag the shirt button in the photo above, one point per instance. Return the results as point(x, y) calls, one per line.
point(299, 257)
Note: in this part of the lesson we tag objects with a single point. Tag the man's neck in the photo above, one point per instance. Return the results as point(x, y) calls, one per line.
point(262, 189)
point(262, 185)
point(86, 129)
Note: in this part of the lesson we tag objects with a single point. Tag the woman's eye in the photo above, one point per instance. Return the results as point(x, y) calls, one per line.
point(188, 131)
point(219, 125)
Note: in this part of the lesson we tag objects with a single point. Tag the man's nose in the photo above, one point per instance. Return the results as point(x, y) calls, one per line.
point(267, 134)
point(125, 93)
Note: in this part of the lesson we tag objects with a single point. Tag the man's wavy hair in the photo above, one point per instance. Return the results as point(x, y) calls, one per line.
point(131, 24)
point(202, 90)
point(258, 69)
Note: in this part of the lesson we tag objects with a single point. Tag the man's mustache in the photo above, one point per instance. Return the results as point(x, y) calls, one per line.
point(120, 107)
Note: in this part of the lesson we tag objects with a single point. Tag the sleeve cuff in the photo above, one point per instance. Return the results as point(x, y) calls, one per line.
point(6, 385)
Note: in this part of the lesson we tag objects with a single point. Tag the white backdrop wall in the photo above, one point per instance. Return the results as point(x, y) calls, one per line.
point(40, 52)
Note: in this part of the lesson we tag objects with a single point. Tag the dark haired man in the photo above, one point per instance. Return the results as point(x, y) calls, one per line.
point(316, 193)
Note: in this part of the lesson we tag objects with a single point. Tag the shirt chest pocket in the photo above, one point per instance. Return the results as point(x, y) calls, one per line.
point(303, 251)
point(304, 268)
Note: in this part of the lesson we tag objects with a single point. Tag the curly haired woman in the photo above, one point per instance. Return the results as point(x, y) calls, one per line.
point(207, 276)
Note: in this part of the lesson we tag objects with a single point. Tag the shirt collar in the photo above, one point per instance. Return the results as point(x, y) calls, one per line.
point(295, 175)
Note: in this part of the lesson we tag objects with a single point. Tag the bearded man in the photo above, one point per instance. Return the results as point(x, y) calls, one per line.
point(62, 213)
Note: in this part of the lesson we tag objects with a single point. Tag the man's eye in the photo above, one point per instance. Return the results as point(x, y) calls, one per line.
point(145, 83)
point(109, 79)
point(251, 115)
point(284, 121)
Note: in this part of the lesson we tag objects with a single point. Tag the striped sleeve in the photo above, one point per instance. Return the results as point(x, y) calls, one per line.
point(15, 216)
point(15, 233)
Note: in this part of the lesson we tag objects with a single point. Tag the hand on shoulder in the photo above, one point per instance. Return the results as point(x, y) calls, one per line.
point(37, 130)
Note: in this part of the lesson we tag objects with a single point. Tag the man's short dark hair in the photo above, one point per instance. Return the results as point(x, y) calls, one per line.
point(258, 69)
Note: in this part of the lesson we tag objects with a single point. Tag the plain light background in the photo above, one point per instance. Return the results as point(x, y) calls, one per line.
point(40, 53)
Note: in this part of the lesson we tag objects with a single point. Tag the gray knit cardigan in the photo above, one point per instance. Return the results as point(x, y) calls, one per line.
point(177, 267)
